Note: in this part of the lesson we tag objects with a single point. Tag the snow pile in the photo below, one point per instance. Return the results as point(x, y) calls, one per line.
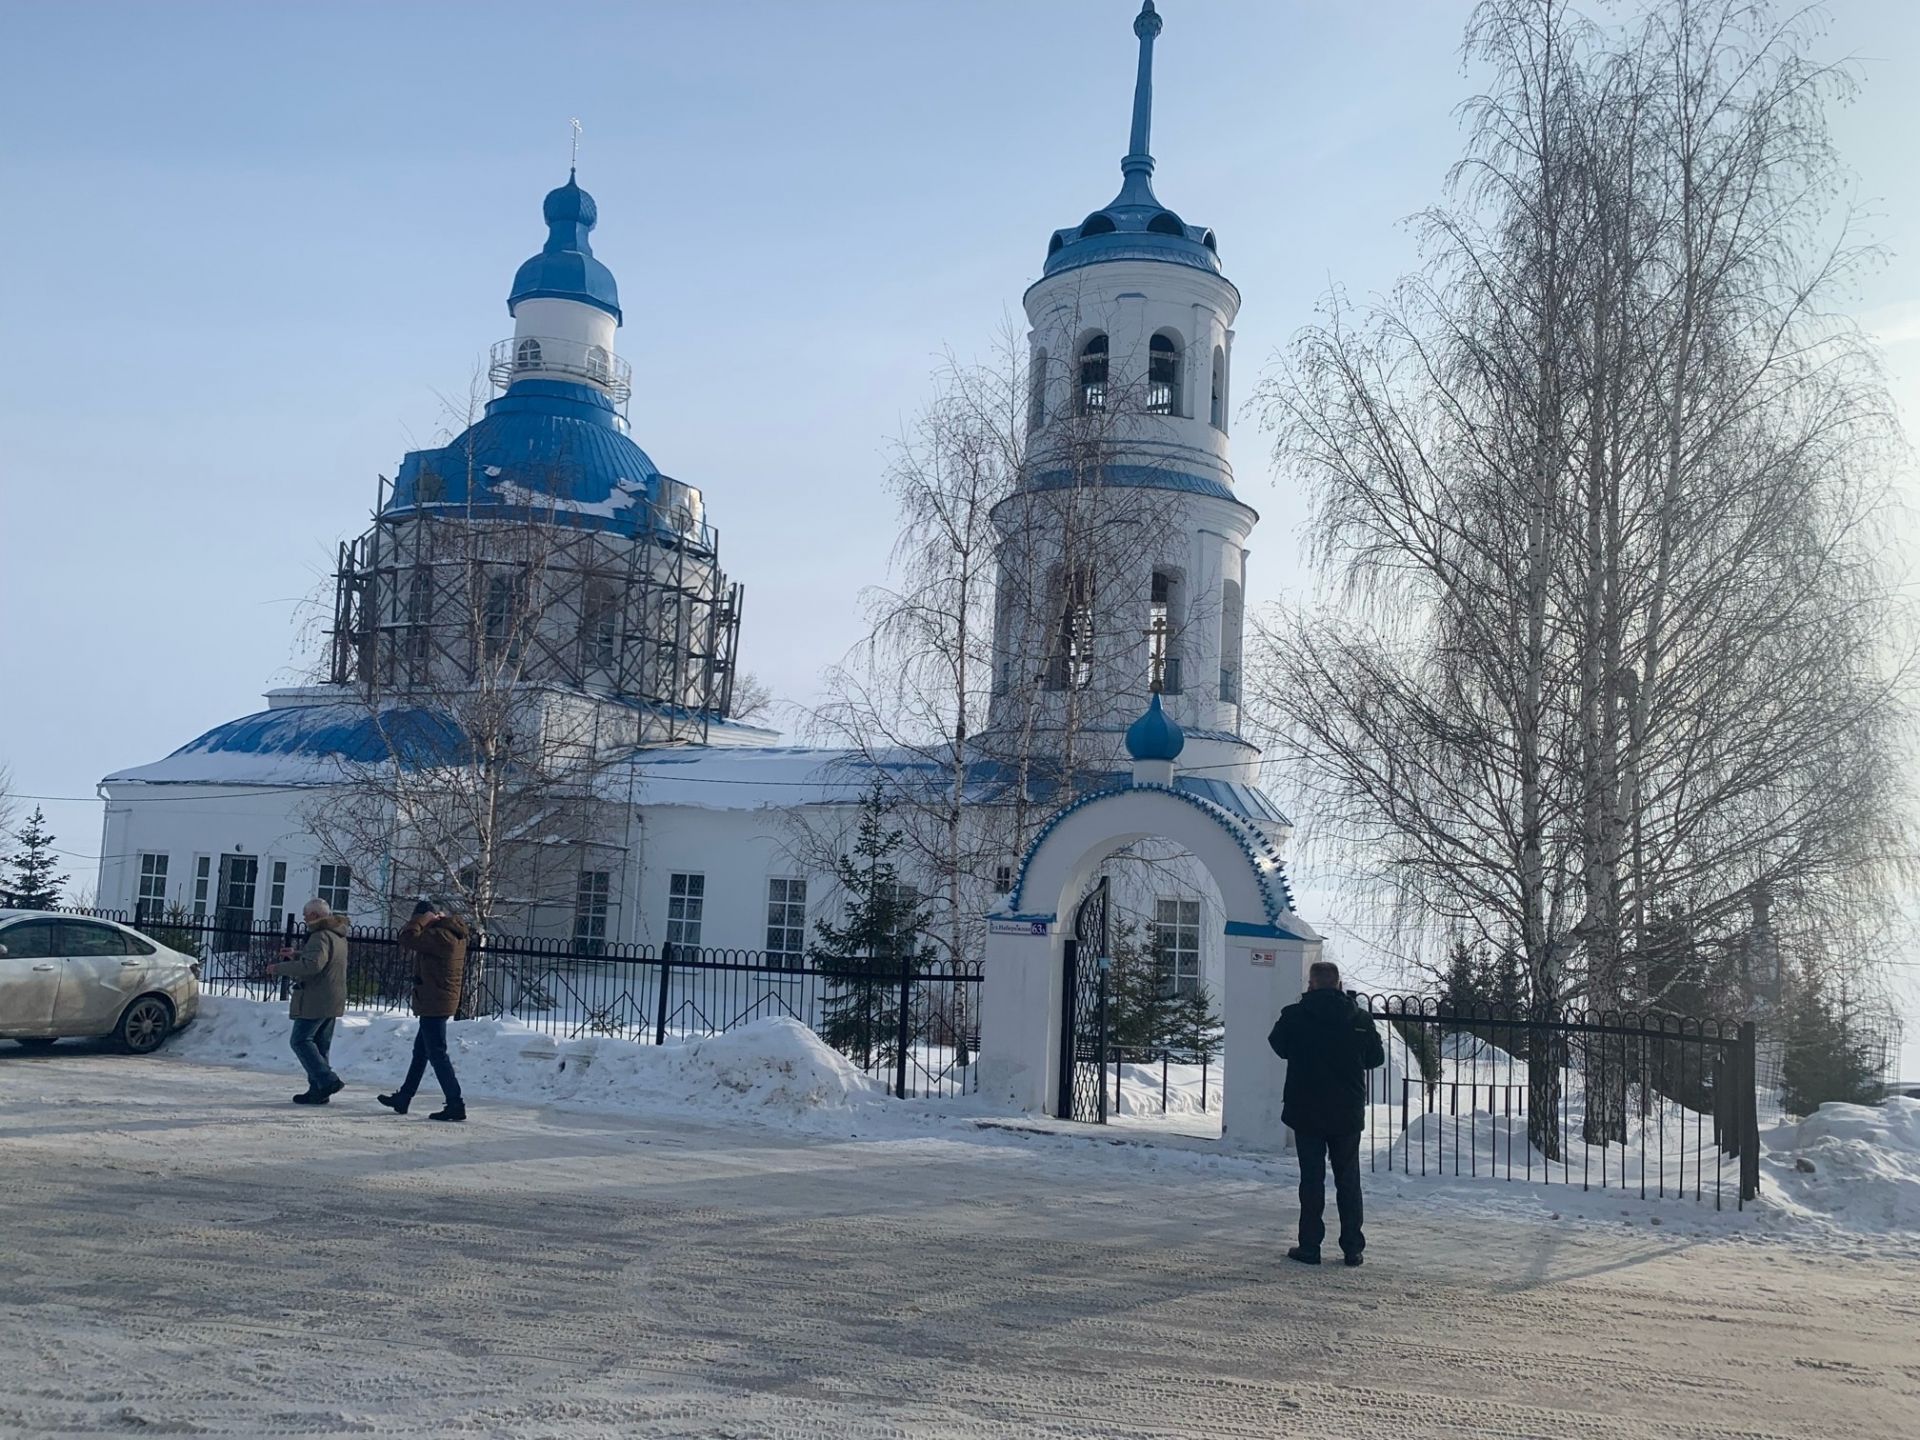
point(777, 1070)
point(1854, 1168)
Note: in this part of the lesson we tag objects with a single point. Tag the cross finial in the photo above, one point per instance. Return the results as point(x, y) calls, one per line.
point(573, 161)
point(1156, 648)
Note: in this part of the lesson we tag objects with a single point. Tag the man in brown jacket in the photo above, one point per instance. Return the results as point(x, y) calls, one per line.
point(319, 976)
point(439, 944)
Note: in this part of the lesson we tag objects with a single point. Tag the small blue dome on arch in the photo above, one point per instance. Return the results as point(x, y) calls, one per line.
point(1155, 736)
point(565, 268)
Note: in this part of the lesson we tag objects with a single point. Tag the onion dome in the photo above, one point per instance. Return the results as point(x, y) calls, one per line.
point(1155, 736)
point(565, 268)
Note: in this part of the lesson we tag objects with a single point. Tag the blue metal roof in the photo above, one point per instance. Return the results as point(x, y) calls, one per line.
point(1151, 477)
point(565, 268)
point(1135, 225)
point(344, 732)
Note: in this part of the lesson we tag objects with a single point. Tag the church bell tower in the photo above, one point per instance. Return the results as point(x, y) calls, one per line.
point(1124, 547)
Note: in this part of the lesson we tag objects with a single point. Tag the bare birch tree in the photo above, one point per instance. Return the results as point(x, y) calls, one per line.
point(1612, 647)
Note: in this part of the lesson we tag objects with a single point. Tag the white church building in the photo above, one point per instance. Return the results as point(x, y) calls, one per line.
point(544, 544)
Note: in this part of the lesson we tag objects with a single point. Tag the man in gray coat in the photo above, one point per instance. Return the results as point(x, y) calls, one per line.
point(319, 976)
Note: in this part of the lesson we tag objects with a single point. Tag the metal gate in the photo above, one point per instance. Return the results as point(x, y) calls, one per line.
point(1083, 1013)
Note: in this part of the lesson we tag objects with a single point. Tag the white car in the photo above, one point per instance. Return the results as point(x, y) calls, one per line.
point(67, 976)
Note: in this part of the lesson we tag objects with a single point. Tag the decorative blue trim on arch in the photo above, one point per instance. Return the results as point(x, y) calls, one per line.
point(1261, 854)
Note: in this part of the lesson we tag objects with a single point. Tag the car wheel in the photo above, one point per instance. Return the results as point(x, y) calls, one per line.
point(37, 1042)
point(144, 1025)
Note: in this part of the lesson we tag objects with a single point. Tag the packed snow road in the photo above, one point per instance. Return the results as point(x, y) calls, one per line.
point(182, 1252)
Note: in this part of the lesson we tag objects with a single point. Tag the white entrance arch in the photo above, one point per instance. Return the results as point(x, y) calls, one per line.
point(1268, 946)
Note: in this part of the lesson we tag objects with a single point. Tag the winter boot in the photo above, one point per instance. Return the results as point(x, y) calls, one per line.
point(1355, 1258)
point(455, 1111)
point(396, 1102)
point(1305, 1257)
point(333, 1087)
point(311, 1097)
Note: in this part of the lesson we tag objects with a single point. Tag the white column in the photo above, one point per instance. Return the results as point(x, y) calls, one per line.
point(1263, 977)
point(1020, 1015)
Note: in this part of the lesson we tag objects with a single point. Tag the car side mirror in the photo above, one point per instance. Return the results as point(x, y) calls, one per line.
point(3, 950)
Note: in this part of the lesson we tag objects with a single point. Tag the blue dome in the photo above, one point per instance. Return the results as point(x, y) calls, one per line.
point(1155, 736)
point(554, 451)
point(1135, 226)
point(565, 268)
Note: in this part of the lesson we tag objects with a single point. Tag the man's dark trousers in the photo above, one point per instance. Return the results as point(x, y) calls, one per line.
point(1315, 1150)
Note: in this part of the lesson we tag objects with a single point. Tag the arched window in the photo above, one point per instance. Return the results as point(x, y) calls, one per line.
point(599, 630)
point(599, 363)
point(1093, 375)
point(1218, 410)
point(501, 615)
point(420, 597)
point(1037, 399)
point(1163, 376)
point(526, 355)
point(1165, 602)
point(1231, 619)
point(1070, 666)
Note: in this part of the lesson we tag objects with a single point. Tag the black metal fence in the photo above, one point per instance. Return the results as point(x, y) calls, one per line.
point(1147, 1061)
point(1660, 1103)
point(918, 1030)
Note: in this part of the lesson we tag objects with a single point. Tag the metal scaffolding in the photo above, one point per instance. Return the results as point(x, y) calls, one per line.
point(434, 596)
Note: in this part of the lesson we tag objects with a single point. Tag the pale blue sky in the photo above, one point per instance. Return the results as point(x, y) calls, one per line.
point(251, 247)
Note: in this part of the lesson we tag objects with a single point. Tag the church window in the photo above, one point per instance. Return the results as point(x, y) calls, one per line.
point(901, 904)
point(786, 922)
point(1231, 618)
point(277, 891)
point(1163, 621)
point(152, 899)
point(599, 628)
point(1217, 411)
point(500, 615)
point(590, 904)
point(1167, 223)
point(526, 355)
point(1071, 665)
point(1002, 879)
point(1163, 376)
point(686, 908)
point(419, 597)
point(599, 363)
point(336, 888)
point(1093, 375)
point(1037, 401)
point(1176, 944)
point(202, 879)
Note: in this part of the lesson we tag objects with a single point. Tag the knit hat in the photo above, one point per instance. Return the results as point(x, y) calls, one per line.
point(425, 907)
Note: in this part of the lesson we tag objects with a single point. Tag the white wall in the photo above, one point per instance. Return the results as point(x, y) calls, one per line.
point(565, 320)
point(185, 822)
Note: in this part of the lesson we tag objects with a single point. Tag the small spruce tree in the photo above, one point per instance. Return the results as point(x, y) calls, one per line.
point(879, 942)
point(1137, 996)
point(31, 881)
point(1825, 1059)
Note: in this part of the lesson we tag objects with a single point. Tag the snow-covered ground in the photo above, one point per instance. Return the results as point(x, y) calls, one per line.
point(1863, 1190)
point(186, 1253)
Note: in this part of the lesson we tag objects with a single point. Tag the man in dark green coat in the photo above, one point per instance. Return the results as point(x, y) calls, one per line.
point(1329, 1044)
